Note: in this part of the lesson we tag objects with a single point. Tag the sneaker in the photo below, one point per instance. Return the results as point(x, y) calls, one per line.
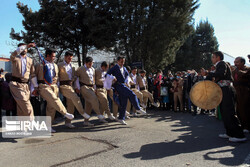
point(69, 116)
point(127, 117)
point(235, 140)
point(127, 113)
point(156, 104)
point(100, 117)
point(122, 122)
point(143, 105)
point(88, 124)
point(69, 125)
point(141, 111)
point(134, 115)
point(224, 136)
point(111, 117)
point(245, 131)
point(86, 116)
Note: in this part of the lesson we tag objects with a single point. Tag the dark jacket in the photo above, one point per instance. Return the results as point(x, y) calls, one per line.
point(115, 71)
point(222, 72)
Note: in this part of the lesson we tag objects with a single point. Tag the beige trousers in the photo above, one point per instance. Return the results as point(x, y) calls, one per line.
point(103, 100)
point(21, 94)
point(73, 101)
point(139, 96)
point(91, 100)
point(178, 96)
point(50, 94)
point(147, 95)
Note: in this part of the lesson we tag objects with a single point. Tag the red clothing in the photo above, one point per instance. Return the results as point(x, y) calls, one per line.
point(157, 83)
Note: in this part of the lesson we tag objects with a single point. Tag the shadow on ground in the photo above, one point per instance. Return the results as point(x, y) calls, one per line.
point(199, 133)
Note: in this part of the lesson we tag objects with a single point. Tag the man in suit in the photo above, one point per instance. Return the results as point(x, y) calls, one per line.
point(22, 71)
point(50, 92)
point(101, 92)
point(121, 74)
point(67, 78)
point(223, 77)
point(143, 86)
point(133, 85)
point(85, 84)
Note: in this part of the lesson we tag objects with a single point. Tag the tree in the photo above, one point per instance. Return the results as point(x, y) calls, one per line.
point(205, 43)
point(184, 57)
point(73, 24)
point(197, 49)
point(153, 30)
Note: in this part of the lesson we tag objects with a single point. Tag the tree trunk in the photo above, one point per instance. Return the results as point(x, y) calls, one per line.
point(78, 57)
point(84, 53)
point(59, 54)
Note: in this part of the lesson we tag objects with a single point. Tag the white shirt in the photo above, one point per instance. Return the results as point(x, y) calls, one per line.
point(23, 59)
point(24, 63)
point(134, 78)
point(77, 83)
point(51, 68)
point(107, 84)
point(68, 69)
point(90, 73)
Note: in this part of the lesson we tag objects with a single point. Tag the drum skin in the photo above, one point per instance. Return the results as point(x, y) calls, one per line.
point(206, 95)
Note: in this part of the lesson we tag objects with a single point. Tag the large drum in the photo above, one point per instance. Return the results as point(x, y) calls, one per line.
point(206, 95)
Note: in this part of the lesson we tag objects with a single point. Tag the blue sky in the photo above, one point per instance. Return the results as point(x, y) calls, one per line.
point(231, 21)
point(230, 18)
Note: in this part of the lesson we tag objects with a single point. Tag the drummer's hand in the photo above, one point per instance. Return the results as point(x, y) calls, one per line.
point(31, 45)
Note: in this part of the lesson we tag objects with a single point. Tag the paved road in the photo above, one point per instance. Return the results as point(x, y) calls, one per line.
point(159, 139)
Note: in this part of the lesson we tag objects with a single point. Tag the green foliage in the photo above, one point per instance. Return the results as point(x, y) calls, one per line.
point(73, 24)
point(197, 50)
point(150, 31)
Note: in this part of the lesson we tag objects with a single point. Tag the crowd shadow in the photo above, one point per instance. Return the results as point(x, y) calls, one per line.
point(98, 126)
point(199, 133)
point(79, 127)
